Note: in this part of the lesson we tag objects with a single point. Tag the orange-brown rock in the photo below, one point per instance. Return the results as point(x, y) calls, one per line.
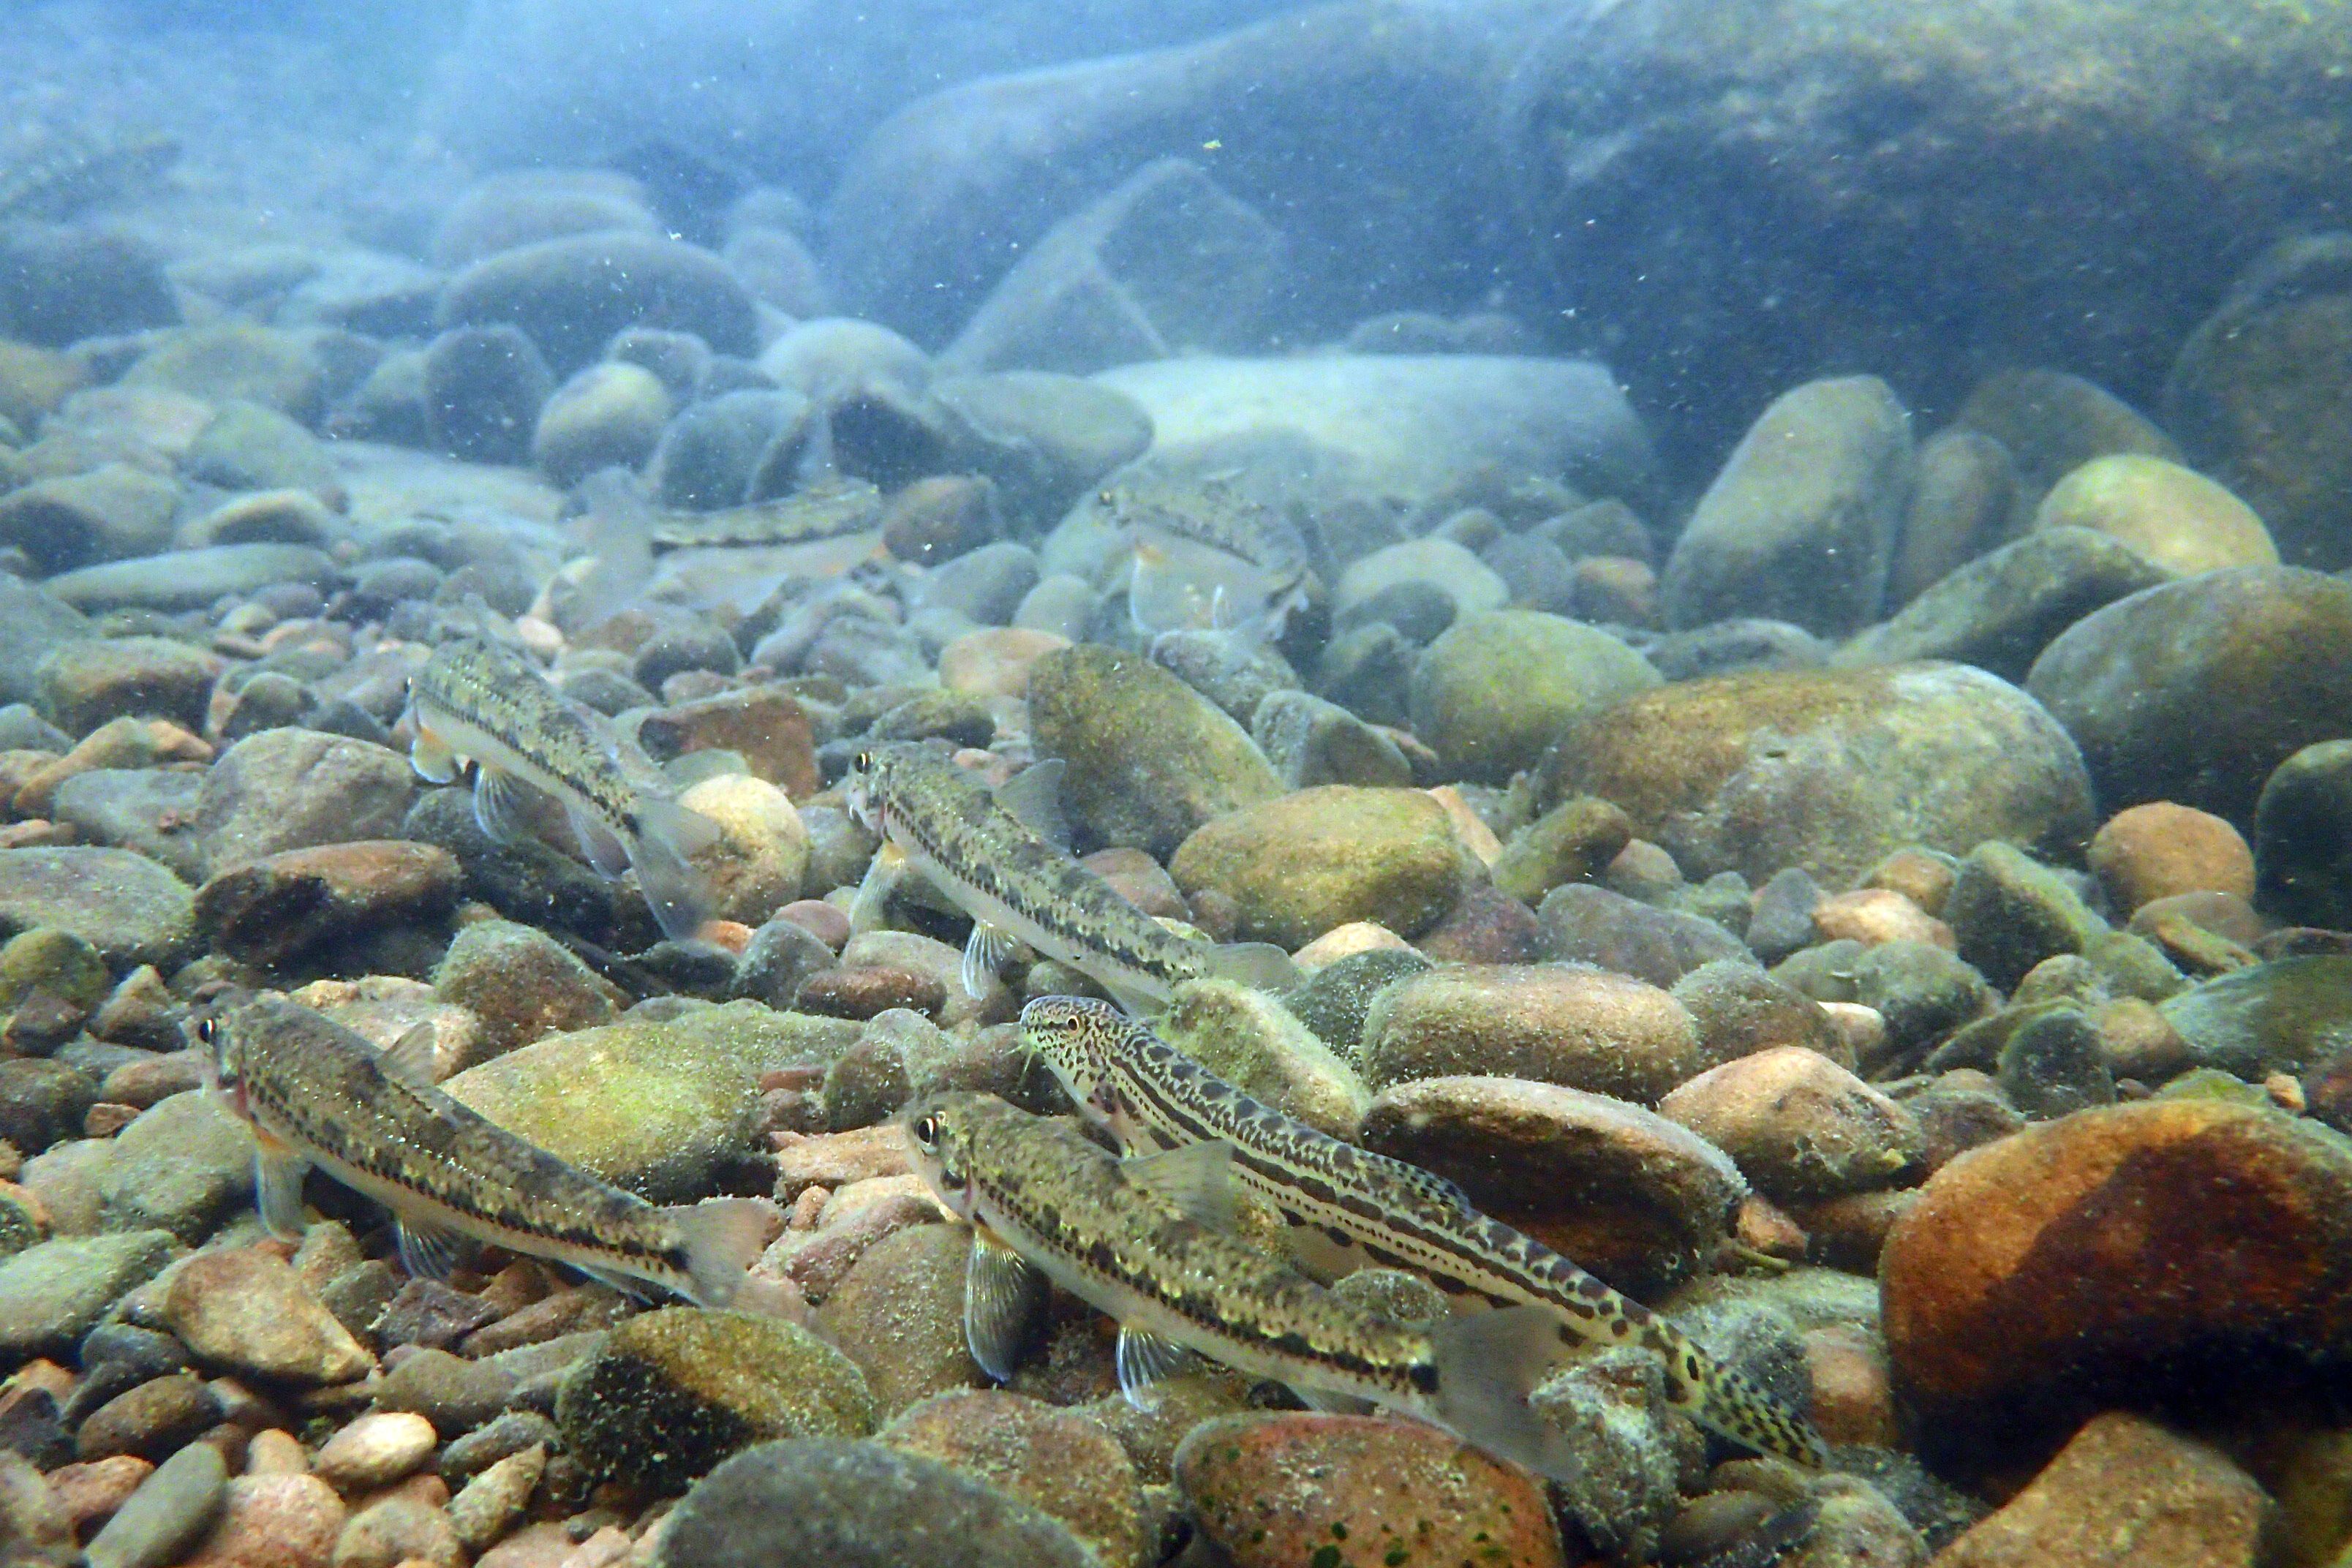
point(2155, 850)
point(1799, 1125)
point(2062, 1259)
point(2125, 1493)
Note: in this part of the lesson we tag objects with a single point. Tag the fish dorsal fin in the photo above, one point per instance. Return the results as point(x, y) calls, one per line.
point(1001, 1293)
point(1195, 1178)
point(428, 1251)
point(502, 806)
point(985, 952)
point(409, 1059)
point(278, 1173)
point(1144, 1359)
point(1033, 797)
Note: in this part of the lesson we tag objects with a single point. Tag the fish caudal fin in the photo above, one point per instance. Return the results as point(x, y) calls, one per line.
point(1486, 1365)
point(1260, 965)
point(667, 835)
point(724, 1237)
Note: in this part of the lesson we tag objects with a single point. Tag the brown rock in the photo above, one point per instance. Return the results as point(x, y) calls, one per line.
point(767, 728)
point(898, 1314)
point(1740, 1010)
point(124, 743)
point(151, 1420)
point(245, 1309)
point(269, 910)
point(1485, 925)
point(273, 1521)
point(866, 990)
point(817, 1261)
point(1283, 1490)
point(2076, 1253)
point(1627, 1194)
point(1056, 1460)
point(1141, 881)
point(90, 1491)
point(396, 1530)
point(2128, 1493)
point(1853, 1395)
point(1875, 915)
point(2152, 851)
point(837, 1159)
point(1607, 1034)
point(1798, 1124)
point(994, 661)
point(1921, 875)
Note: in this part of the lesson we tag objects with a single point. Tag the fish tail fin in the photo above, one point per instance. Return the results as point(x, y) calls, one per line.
point(724, 1237)
point(1258, 965)
point(1486, 1365)
point(668, 836)
point(1729, 1404)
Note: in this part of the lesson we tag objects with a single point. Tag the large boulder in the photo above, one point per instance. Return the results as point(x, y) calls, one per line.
point(569, 296)
point(1831, 769)
point(2193, 691)
point(1925, 184)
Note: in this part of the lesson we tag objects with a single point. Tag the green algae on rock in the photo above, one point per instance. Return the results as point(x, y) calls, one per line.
point(1499, 686)
point(1587, 1029)
point(665, 1108)
point(1298, 866)
point(1830, 770)
point(672, 1391)
point(1254, 1043)
point(1150, 759)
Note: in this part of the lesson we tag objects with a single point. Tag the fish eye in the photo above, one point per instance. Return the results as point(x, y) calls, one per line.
point(864, 762)
point(207, 1031)
point(927, 1130)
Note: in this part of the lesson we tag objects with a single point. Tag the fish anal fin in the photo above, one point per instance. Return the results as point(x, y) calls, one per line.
point(599, 843)
point(278, 1173)
point(1196, 1179)
point(410, 1058)
point(1485, 1366)
point(1001, 1294)
point(1144, 1359)
point(1033, 797)
point(427, 1250)
point(667, 835)
point(1331, 1401)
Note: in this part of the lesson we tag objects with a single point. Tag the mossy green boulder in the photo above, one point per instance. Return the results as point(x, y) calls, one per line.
point(671, 1393)
point(1499, 686)
point(1150, 758)
point(1253, 1042)
point(1300, 864)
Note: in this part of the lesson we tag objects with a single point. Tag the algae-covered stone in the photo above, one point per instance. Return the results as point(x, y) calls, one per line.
point(2193, 691)
point(672, 1392)
point(521, 984)
point(54, 961)
point(1498, 686)
point(82, 685)
point(291, 789)
point(1252, 1041)
point(1150, 758)
point(1056, 1460)
point(236, 360)
point(1999, 611)
point(2009, 913)
point(898, 1314)
point(2303, 838)
point(127, 907)
point(608, 414)
point(1830, 770)
point(249, 447)
point(2285, 1016)
point(183, 1165)
point(1801, 524)
point(1573, 841)
point(1799, 1125)
point(2174, 516)
point(1333, 1001)
point(1581, 1027)
point(815, 1502)
point(662, 1108)
point(1300, 864)
point(1580, 924)
point(53, 1293)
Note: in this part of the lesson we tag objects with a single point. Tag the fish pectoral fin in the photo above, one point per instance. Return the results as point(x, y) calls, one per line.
point(1144, 1358)
point(985, 952)
point(409, 1059)
point(1033, 797)
point(1135, 1003)
point(1260, 965)
point(1331, 1401)
point(502, 806)
point(668, 835)
point(883, 875)
point(431, 759)
point(1485, 1365)
point(722, 1238)
point(1001, 1294)
point(599, 843)
point(428, 1251)
point(1194, 1178)
point(278, 1173)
